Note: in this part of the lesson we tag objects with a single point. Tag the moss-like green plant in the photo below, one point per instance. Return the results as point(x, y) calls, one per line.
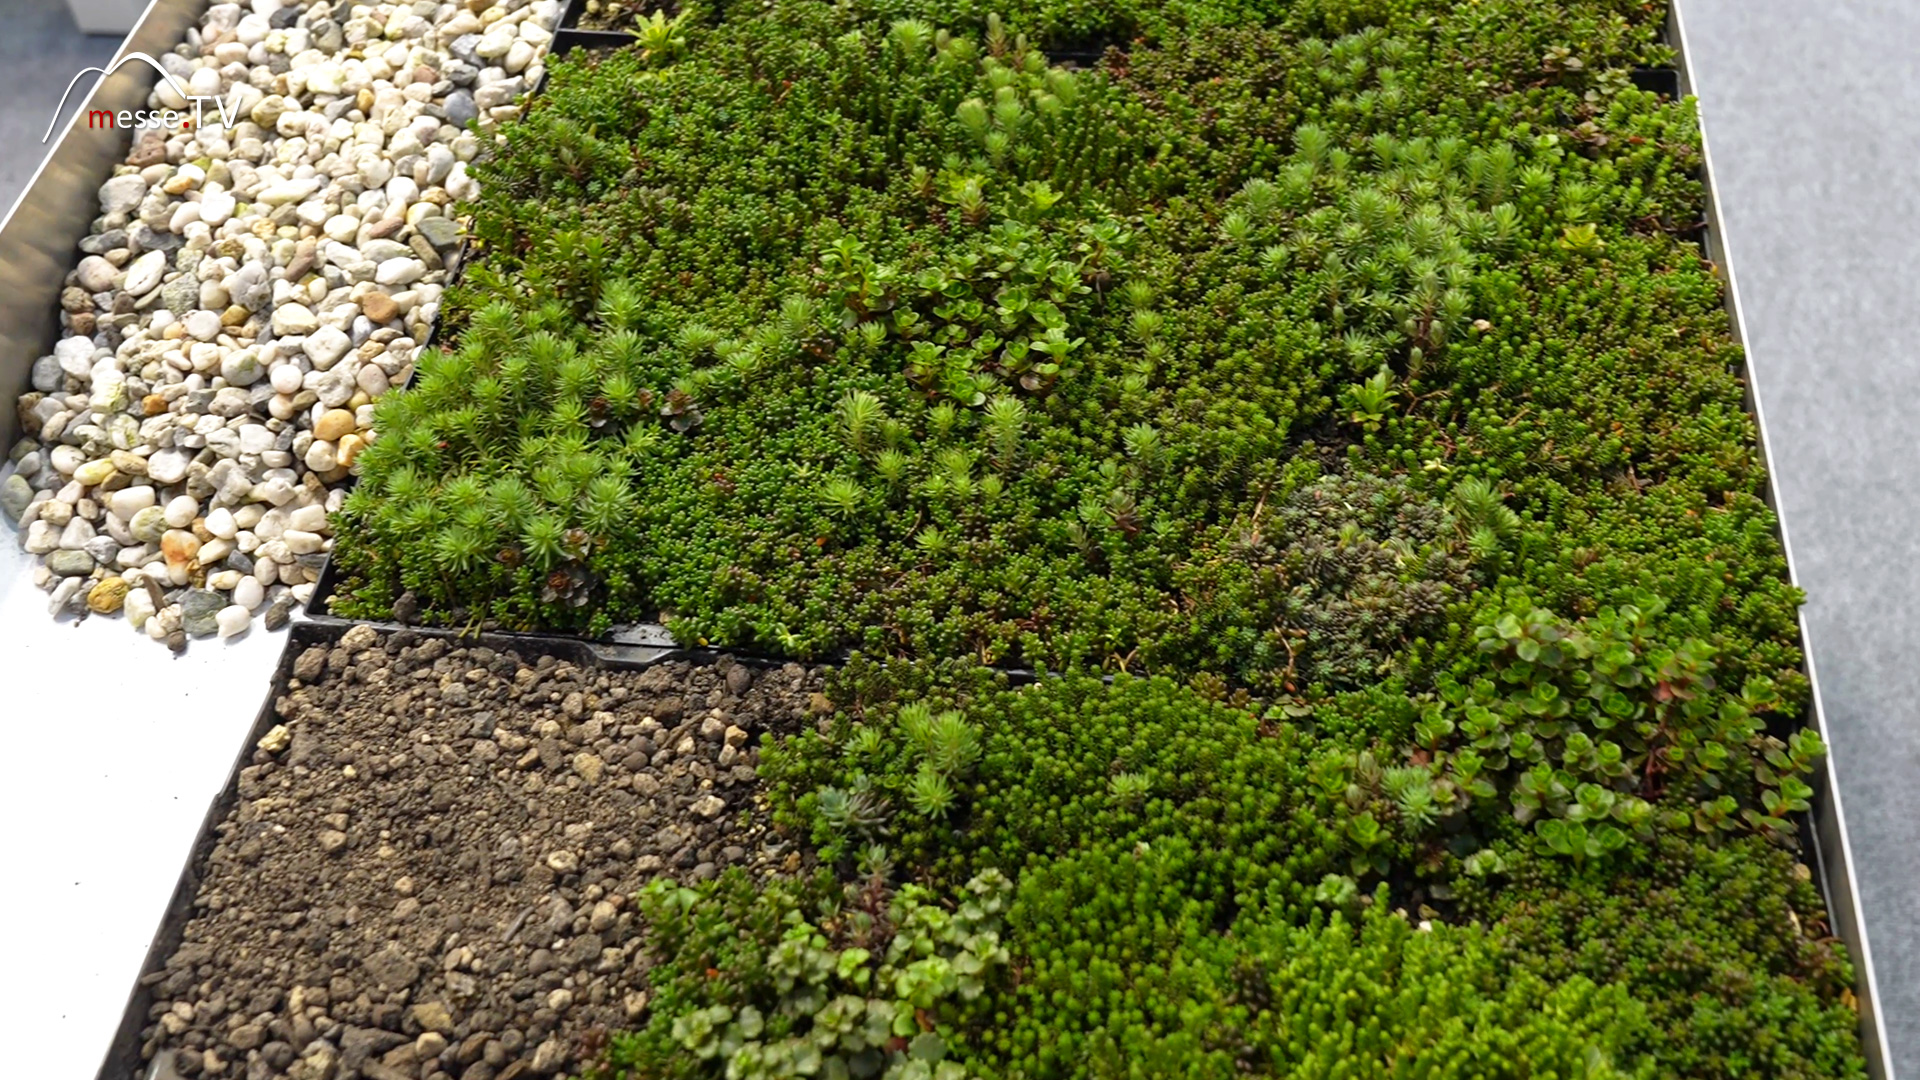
point(1202, 892)
point(1050, 270)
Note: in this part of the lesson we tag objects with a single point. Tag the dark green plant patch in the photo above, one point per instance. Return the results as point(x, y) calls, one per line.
point(1202, 888)
point(807, 332)
point(1341, 377)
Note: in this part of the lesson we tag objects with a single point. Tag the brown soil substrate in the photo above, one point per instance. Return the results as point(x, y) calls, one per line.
point(428, 869)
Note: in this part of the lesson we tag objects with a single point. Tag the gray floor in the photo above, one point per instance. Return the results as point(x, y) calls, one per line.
point(1812, 114)
point(40, 52)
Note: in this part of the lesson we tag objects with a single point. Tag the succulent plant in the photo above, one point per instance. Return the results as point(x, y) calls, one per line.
point(1349, 368)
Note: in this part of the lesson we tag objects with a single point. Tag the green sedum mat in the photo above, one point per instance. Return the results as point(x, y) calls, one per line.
point(1344, 375)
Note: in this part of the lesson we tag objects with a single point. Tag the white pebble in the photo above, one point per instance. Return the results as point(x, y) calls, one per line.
point(64, 593)
point(220, 523)
point(168, 466)
point(494, 44)
point(169, 97)
point(75, 536)
point(249, 593)
point(320, 456)
point(371, 379)
point(96, 274)
point(239, 368)
point(184, 215)
point(233, 620)
point(286, 378)
point(401, 271)
point(129, 501)
point(336, 387)
point(342, 228)
point(291, 319)
point(139, 606)
point(288, 191)
point(276, 490)
point(182, 510)
point(326, 345)
point(402, 191)
point(311, 519)
point(202, 325)
point(216, 207)
point(145, 273)
point(518, 56)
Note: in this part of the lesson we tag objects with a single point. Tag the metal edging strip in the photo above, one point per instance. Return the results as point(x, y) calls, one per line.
point(1831, 846)
point(41, 231)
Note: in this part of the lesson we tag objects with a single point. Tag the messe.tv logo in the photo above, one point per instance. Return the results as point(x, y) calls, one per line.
point(143, 119)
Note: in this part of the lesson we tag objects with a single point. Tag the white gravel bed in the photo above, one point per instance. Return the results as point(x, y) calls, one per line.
point(245, 296)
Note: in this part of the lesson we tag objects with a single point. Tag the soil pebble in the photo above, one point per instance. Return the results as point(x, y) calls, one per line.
point(427, 868)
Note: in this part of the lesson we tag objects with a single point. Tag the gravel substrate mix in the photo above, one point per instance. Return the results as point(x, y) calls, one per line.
point(247, 292)
point(428, 868)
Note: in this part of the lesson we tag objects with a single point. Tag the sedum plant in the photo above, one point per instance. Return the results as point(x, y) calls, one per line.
point(1726, 945)
point(1199, 891)
point(901, 334)
point(805, 980)
point(1335, 391)
point(1597, 731)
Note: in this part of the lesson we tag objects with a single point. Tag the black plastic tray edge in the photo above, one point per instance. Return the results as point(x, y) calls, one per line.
point(625, 644)
point(577, 9)
point(567, 41)
point(1664, 81)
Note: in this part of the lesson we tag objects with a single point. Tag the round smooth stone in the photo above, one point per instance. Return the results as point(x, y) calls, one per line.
point(233, 620)
point(249, 593)
point(181, 511)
